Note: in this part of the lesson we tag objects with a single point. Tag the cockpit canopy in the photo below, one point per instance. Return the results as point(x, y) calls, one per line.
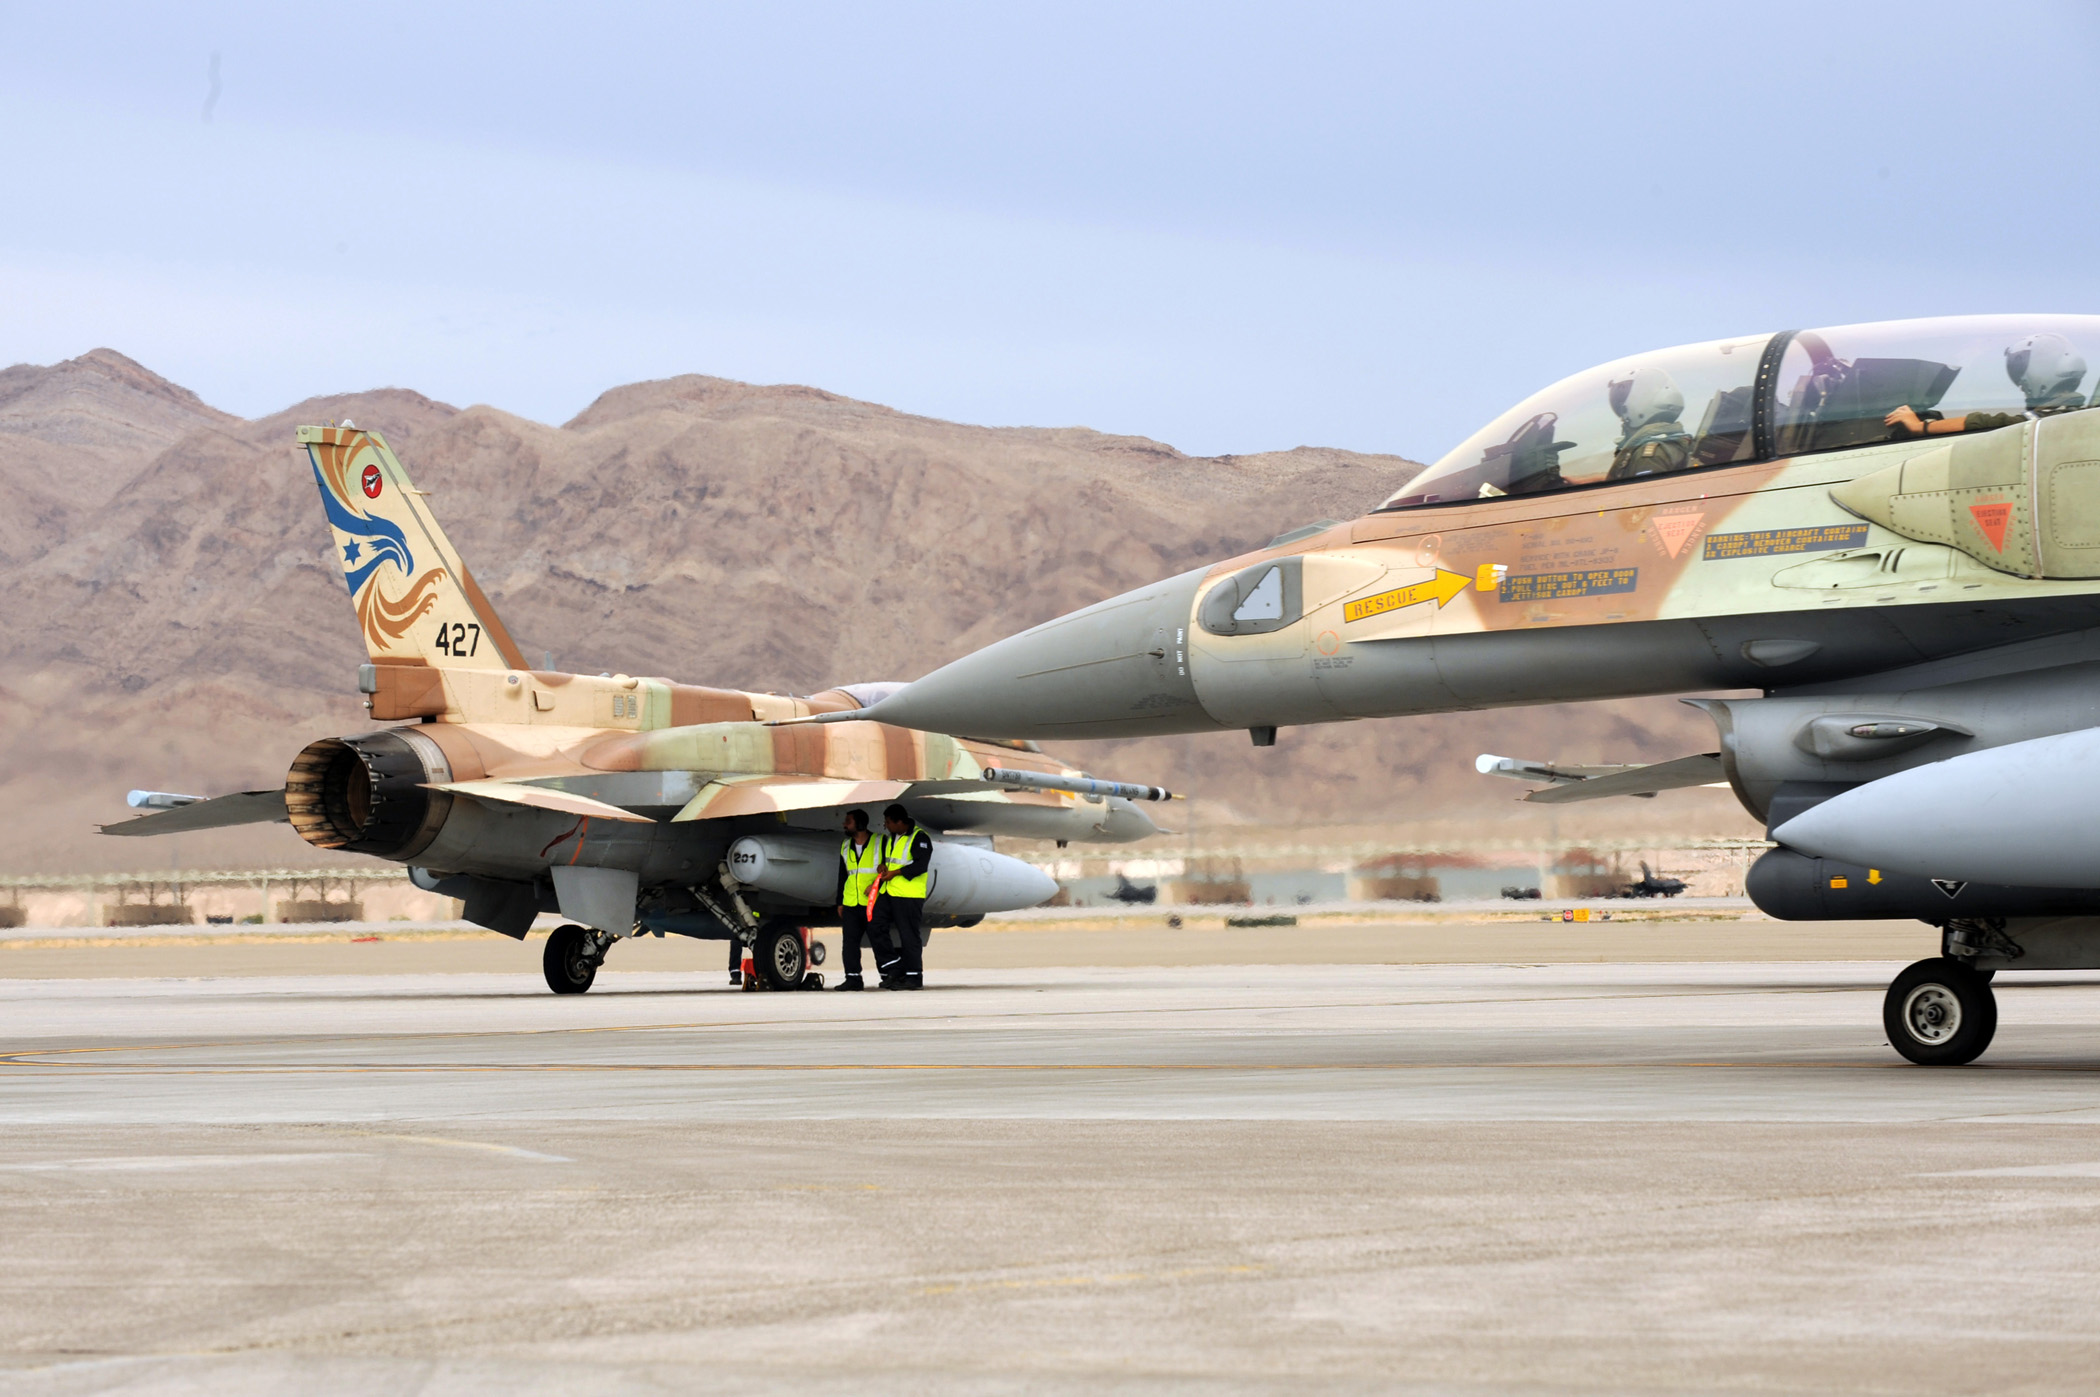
point(1765, 396)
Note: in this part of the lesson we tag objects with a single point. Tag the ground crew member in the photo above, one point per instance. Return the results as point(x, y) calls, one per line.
point(901, 887)
point(860, 860)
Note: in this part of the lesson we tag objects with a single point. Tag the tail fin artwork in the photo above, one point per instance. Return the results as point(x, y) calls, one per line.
point(417, 604)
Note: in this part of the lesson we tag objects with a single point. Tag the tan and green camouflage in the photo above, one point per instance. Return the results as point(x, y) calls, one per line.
point(1806, 542)
point(511, 778)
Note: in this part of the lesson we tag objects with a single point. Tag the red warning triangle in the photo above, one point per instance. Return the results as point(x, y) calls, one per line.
point(1992, 518)
point(1674, 529)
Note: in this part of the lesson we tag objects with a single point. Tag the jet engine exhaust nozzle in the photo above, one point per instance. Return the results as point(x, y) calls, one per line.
point(369, 794)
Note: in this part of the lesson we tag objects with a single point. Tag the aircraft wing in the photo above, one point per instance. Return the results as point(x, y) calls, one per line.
point(540, 798)
point(769, 795)
point(1574, 783)
point(220, 812)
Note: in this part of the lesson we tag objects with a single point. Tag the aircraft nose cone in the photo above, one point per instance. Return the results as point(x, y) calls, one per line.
point(1118, 668)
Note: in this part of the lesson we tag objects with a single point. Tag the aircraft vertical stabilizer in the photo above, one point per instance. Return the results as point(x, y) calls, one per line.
point(418, 606)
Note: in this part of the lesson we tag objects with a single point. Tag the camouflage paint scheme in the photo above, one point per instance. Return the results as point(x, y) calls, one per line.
point(1912, 581)
point(1668, 579)
point(502, 772)
point(1803, 570)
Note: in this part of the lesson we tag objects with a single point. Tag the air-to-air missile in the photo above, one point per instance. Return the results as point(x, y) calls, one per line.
point(627, 805)
point(1892, 530)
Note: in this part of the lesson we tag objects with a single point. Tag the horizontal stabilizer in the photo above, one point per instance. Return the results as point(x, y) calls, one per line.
point(220, 812)
point(540, 798)
point(1702, 770)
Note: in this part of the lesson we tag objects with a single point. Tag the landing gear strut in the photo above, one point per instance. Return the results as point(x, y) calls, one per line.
point(1940, 1013)
point(572, 958)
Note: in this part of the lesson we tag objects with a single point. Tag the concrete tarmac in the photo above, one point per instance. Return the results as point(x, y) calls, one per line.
point(1477, 1178)
point(384, 950)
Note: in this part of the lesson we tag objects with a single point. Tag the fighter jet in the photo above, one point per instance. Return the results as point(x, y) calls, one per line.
point(1892, 530)
point(1654, 884)
point(1133, 894)
point(625, 804)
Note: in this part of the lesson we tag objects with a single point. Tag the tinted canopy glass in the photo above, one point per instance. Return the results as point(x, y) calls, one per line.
point(1649, 414)
point(1838, 387)
point(1754, 397)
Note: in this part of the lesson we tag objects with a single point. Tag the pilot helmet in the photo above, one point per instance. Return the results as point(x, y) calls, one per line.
point(1645, 395)
point(2044, 366)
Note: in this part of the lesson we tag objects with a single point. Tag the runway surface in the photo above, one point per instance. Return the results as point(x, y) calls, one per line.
point(1433, 1178)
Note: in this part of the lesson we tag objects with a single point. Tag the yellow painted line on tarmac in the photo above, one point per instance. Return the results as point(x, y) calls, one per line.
point(446, 1142)
point(1070, 1282)
point(26, 1056)
point(282, 1068)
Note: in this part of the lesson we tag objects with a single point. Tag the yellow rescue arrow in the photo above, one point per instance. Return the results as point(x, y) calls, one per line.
point(1440, 589)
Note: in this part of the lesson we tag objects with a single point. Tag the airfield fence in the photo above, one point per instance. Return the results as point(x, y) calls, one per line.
point(1217, 870)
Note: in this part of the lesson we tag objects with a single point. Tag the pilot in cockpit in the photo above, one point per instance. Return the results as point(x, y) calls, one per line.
point(2045, 368)
point(1653, 440)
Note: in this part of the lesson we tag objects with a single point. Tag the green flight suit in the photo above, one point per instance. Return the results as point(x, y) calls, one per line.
point(1659, 448)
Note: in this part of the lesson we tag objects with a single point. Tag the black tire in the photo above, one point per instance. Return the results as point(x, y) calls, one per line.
point(571, 960)
point(1940, 1013)
point(778, 955)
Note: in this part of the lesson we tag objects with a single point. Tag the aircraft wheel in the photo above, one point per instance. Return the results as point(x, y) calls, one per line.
point(1940, 1013)
point(778, 955)
point(571, 960)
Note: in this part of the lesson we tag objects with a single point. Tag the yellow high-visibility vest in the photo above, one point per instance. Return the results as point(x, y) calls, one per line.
point(896, 852)
point(861, 864)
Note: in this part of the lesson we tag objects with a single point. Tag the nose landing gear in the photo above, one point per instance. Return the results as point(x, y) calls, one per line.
point(1940, 1013)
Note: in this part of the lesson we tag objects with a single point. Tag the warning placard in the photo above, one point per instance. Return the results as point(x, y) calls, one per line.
point(1819, 539)
point(1559, 586)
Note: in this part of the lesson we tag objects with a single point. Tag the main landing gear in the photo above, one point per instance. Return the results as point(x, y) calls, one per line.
point(1940, 1013)
point(781, 956)
point(572, 958)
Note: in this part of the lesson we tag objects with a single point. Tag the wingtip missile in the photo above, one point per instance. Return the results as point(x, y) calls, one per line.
point(1076, 785)
point(1518, 769)
point(160, 800)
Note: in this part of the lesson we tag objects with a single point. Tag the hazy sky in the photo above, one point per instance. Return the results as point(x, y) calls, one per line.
point(1230, 227)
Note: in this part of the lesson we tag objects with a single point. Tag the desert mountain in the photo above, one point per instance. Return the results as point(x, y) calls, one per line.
point(176, 620)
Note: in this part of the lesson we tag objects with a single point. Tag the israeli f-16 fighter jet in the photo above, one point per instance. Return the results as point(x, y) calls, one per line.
point(625, 804)
point(1892, 530)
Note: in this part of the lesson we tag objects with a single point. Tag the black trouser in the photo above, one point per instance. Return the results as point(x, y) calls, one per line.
point(854, 924)
point(898, 919)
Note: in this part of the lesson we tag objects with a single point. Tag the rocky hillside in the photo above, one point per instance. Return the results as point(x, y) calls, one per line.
point(175, 620)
